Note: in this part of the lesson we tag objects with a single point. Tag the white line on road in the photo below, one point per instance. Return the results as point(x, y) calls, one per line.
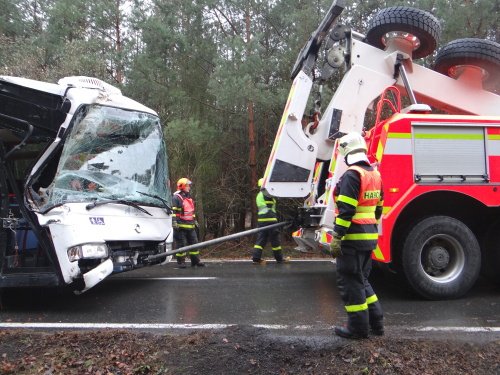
point(164, 278)
point(221, 326)
point(458, 329)
point(113, 325)
point(249, 261)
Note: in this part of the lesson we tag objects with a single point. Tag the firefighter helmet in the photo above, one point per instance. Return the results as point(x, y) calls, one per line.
point(352, 143)
point(259, 183)
point(182, 183)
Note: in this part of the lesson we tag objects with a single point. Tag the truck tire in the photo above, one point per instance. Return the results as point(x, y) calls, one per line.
point(419, 23)
point(441, 258)
point(481, 53)
point(490, 252)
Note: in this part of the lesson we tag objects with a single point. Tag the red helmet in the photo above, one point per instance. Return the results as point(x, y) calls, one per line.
point(182, 183)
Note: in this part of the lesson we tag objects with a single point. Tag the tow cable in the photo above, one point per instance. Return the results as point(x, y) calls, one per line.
point(215, 241)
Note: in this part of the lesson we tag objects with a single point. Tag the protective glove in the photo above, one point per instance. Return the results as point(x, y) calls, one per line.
point(196, 224)
point(175, 225)
point(335, 247)
point(325, 248)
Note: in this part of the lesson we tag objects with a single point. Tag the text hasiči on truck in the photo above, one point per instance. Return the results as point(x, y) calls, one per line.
point(434, 136)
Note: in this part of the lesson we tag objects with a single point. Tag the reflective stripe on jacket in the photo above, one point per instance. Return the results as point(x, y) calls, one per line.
point(266, 209)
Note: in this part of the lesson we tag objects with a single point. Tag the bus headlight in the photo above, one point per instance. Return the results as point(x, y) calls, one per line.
point(88, 251)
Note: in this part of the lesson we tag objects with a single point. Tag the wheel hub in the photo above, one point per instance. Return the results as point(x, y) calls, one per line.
point(401, 37)
point(469, 70)
point(438, 257)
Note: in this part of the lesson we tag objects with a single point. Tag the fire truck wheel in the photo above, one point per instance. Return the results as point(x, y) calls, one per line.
point(441, 258)
point(479, 53)
point(416, 26)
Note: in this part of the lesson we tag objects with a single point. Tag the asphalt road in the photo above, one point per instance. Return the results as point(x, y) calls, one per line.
point(298, 295)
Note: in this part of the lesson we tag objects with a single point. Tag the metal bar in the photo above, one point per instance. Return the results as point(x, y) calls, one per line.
point(409, 90)
point(357, 35)
point(215, 241)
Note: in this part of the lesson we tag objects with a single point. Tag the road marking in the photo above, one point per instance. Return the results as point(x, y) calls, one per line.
point(113, 325)
point(146, 326)
point(268, 260)
point(164, 278)
point(142, 326)
point(222, 326)
point(458, 329)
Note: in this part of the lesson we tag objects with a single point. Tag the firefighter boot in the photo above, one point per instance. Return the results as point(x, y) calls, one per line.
point(259, 262)
point(257, 256)
point(376, 317)
point(278, 255)
point(377, 327)
point(377, 331)
point(348, 334)
point(181, 262)
point(196, 262)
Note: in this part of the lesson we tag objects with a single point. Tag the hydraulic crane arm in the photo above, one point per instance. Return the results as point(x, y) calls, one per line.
point(369, 71)
point(309, 52)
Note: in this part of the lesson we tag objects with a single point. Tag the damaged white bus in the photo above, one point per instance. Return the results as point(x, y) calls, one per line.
point(84, 187)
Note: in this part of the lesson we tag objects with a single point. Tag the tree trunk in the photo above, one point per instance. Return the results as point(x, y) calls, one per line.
point(200, 213)
point(252, 159)
point(119, 47)
point(265, 141)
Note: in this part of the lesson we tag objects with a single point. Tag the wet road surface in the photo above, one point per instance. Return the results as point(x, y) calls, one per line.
point(300, 294)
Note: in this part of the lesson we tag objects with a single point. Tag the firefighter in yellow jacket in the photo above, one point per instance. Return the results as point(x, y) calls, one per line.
point(184, 223)
point(266, 215)
point(359, 202)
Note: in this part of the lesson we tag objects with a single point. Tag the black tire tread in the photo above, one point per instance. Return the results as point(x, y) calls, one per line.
point(471, 51)
point(401, 18)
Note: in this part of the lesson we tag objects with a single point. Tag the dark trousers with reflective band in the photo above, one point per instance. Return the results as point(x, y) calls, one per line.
point(263, 237)
point(184, 237)
point(361, 303)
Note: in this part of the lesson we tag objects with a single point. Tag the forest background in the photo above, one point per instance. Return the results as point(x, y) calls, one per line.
point(216, 71)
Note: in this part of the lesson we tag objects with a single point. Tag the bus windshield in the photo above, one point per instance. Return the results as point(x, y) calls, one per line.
point(112, 153)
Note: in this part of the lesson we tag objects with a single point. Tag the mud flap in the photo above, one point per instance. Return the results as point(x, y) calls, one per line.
point(305, 240)
point(324, 237)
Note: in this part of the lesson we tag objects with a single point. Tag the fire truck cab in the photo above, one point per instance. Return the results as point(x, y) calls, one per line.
point(434, 135)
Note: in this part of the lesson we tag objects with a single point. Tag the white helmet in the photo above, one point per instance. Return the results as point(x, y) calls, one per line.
point(352, 143)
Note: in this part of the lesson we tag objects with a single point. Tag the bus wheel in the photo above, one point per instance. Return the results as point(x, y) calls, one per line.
point(415, 28)
point(463, 55)
point(441, 258)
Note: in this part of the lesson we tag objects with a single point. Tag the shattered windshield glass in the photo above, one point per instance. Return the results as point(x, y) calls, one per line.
point(112, 153)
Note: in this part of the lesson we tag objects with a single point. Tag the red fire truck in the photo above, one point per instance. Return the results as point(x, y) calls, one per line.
point(434, 134)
